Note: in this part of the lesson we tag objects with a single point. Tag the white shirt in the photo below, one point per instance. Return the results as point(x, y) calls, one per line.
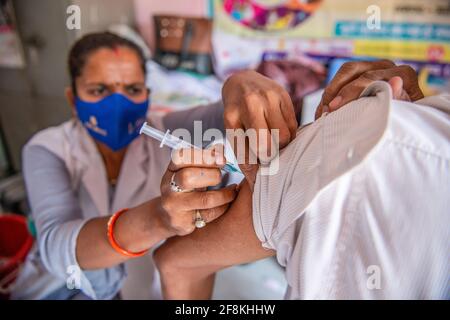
point(360, 206)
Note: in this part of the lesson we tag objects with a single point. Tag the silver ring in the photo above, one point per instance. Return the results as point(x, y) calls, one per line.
point(199, 221)
point(173, 186)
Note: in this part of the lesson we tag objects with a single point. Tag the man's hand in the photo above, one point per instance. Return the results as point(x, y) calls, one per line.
point(254, 101)
point(353, 77)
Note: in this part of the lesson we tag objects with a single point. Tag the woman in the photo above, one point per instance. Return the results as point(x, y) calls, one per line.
point(80, 173)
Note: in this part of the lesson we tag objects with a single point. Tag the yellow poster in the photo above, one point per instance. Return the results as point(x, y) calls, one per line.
point(398, 29)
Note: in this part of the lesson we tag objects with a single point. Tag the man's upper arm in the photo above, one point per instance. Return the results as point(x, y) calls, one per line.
point(227, 241)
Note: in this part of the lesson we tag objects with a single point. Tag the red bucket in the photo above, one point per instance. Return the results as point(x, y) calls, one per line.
point(15, 243)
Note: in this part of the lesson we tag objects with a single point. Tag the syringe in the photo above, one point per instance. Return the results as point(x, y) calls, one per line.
point(174, 142)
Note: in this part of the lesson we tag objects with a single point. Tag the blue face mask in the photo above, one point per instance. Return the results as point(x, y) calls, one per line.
point(115, 120)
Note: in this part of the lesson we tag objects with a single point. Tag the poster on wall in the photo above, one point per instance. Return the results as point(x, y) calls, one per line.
point(11, 52)
point(412, 31)
point(269, 15)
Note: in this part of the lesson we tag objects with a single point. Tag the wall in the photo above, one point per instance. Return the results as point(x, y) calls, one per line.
point(98, 15)
point(33, 98)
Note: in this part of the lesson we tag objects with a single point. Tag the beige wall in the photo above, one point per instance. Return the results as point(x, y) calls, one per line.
point(98, 15)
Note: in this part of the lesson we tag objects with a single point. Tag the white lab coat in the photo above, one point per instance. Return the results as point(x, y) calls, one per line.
point(139, 181)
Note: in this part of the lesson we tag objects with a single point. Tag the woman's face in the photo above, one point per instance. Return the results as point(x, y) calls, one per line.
point(109, 71)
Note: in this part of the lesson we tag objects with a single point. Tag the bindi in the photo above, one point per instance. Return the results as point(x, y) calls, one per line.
point(116, 51)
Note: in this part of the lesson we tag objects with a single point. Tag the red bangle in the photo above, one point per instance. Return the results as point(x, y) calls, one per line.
point(113, 242)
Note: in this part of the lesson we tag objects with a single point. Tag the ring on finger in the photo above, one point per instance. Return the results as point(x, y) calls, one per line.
point(199, 222)
point(173, 185)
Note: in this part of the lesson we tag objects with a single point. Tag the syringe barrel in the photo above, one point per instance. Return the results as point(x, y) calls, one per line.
point(152, 132)
point(165, 138)
point(176, 143)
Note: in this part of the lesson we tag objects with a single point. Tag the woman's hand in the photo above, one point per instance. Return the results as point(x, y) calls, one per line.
point(151, 222)
point(353, 77)
point(254, 101)
point(191, 171)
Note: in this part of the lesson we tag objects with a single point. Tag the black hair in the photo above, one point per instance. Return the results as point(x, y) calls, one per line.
point(82, 48)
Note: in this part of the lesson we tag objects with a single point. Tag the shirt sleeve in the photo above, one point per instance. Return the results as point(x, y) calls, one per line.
point(58, 220)
point(210, 115)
